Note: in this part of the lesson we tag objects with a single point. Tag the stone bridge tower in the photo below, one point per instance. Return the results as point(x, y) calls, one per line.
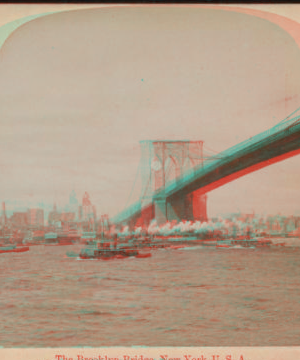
point(163, 162)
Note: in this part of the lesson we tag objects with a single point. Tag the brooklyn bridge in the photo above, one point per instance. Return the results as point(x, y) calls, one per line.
point(177, 175)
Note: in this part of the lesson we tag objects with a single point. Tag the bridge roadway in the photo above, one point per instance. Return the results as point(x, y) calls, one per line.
point(271, 146)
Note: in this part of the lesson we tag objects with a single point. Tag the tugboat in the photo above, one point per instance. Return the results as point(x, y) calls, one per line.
point(106, 254)
point(108, 249)
point(106, 246)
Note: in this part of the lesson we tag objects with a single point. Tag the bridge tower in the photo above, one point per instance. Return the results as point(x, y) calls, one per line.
point(163, 162)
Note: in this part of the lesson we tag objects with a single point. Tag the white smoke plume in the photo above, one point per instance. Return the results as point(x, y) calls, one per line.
point(221, 227)
point(125, 231)
point(242, 225)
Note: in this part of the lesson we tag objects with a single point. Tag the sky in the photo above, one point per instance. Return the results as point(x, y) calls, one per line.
point(80, 88)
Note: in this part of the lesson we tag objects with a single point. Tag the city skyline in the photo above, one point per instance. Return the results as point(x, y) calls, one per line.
point(72, 203)
point(79, 126)
point(12, 207)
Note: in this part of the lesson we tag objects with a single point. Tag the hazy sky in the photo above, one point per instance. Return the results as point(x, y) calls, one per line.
point(80, 89)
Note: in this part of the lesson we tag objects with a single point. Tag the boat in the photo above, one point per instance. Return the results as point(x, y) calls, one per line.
point(105, 254)
point(245, 243)
point(208, 242)
point(65, 238)
point(223, 246)
point(65, 242)
point(15, 250)
point(11, 247)
point(61, 243)
point(157, 246)
point(73, 235)
point(101, 252)
point(279, 244)
point(33, 238)
point(263, 243)
point(238, 247)
point(38, 236)
point(57, 239)
point(175, 247)
point(50, 238)
point(72, 254)
point(142, 256)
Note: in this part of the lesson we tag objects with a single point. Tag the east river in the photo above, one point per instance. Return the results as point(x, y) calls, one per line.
point(188, 297)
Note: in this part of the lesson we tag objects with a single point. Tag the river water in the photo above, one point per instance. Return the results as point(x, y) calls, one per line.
point(197, 297)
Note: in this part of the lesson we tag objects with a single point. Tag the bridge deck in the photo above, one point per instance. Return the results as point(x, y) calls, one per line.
point(280, 139)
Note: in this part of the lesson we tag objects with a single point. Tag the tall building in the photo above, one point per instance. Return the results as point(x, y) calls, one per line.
point(87, 211)
point(35, 217)
point(73, 203)
point(87, 214)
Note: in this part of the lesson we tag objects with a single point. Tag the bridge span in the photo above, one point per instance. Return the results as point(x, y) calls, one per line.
point(170, 201)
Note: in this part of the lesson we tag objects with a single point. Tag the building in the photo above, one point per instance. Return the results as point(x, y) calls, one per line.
point(35, 217)
point(67, 216)
point(19, 219)
point(87, 211)
point(53, 216)
point(72, 207)
point(87, 214)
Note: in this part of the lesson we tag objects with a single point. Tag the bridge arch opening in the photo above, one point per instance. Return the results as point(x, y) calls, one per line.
point(156, 174)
